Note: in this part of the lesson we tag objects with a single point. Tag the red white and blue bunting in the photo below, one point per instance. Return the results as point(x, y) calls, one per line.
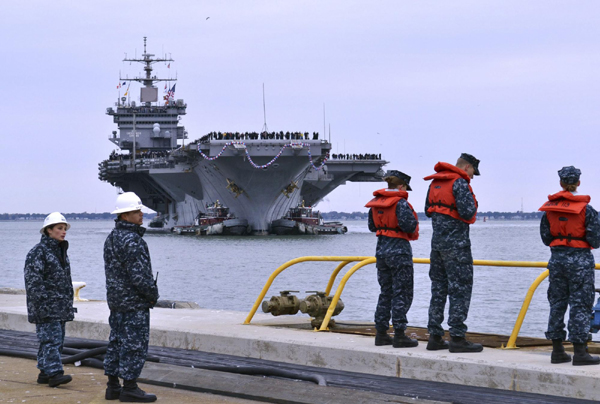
point(307, 145)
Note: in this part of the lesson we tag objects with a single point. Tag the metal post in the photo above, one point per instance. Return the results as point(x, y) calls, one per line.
point(134, 136)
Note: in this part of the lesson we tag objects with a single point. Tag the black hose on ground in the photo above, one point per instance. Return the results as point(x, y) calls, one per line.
point(84, 355)
point(18, 354)
point(85, 344)
point(93, 363)
point(266, 371)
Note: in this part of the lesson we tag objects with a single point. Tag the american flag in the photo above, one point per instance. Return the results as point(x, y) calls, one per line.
point(170, 93)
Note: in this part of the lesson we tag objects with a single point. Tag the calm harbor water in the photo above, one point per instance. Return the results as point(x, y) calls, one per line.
point(228, 272)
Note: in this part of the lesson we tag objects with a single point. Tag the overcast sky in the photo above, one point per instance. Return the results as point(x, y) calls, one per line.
point(515, 83)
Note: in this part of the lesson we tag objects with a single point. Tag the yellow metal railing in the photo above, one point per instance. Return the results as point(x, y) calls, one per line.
point(363, 261)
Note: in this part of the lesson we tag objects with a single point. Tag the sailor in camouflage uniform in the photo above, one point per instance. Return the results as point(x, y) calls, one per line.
point(131, 291)
point(452, 207)
point(571, 228)
point(50, 297)
point(396, 223)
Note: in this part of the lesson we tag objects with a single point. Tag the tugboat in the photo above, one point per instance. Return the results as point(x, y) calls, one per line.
point(303, 220)
point(157, 222)
point(218, 220)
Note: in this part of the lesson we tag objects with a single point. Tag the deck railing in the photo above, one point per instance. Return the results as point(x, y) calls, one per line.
point(362, 261)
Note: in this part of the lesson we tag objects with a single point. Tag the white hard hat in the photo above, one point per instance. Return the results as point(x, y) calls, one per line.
point(54, 218)
point(127, 202)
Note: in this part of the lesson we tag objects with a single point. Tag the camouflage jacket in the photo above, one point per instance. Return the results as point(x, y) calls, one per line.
point(390, 246)
point(580, 257)
point(48, 282)
point(129, 282)
point(450, 233)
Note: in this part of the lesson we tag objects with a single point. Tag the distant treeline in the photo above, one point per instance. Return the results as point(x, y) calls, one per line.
point(68, 216)
point(480, 215)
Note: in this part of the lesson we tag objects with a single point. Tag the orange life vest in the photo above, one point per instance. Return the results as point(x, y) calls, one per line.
point(566, 215)
point(383, 207)
point(441, 198)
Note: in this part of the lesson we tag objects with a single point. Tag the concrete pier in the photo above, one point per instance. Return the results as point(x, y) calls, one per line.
point(268, 338)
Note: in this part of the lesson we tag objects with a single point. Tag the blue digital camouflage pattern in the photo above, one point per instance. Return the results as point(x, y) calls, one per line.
point(450, 233)
point(127, 344)
point(569, 175)
point(395, 279)
point(48, 282)
point(51, 337)
point(451, 269)
point(451, 274)
point(571, 282)
point(394, 271)
point(129, 282)
point(392, 246)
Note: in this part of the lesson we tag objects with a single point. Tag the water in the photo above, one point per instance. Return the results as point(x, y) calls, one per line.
point(229, 272)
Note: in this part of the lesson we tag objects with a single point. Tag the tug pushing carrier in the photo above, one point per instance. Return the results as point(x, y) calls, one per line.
point(258, 177)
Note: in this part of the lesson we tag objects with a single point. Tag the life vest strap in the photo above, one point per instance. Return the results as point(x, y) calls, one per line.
point(451, 207)
point(398, 229)
point(568, 238)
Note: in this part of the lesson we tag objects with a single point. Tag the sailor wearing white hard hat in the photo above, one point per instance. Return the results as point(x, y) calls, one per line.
point(131, 291)
point(50, 296)
point(53, 219)
point(128, 208)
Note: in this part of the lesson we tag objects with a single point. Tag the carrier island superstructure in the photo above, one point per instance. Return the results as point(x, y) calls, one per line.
point(258, 176)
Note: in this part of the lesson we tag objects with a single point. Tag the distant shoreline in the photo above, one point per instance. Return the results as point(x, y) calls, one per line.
point(84, 216)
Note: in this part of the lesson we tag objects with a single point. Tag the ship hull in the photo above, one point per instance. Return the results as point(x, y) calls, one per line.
point(259, 181)
point(285, 227)
point(258, 195)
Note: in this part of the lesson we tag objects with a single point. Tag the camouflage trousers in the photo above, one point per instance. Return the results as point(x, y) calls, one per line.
point(51, 337)
point(451, 274)
point(571, 286)
point(395, 277)
point(127, 344)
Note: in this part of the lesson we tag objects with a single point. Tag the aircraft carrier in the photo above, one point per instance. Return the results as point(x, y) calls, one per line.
point(258, 176)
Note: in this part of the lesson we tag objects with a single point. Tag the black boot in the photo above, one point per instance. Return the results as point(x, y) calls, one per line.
point(460, 344)
point(58, 379)
point(43, 378)
point(402, 341)
point(113, 388)
point(558, 352)
point(131, 393)
point(436, 343)
point(382, 338)
point(582, 357)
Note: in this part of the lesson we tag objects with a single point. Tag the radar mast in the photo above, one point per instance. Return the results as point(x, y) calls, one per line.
point(148, 81)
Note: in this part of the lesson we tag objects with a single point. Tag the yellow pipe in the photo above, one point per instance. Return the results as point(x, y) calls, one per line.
point(285, 266)
point(512, 341)
point(335, 273)
point(340, 288)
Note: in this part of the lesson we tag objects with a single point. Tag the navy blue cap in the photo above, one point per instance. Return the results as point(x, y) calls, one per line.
point(569, 175)
point(469, 158)
point(400, 175)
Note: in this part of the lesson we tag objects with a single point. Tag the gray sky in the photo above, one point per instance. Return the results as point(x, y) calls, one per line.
point(514, 83)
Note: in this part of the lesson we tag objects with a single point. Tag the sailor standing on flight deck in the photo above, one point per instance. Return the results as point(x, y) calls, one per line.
point(396, 223)
point(130, 292)
point(452, 207)
point(571, 228)
point(50, 297)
